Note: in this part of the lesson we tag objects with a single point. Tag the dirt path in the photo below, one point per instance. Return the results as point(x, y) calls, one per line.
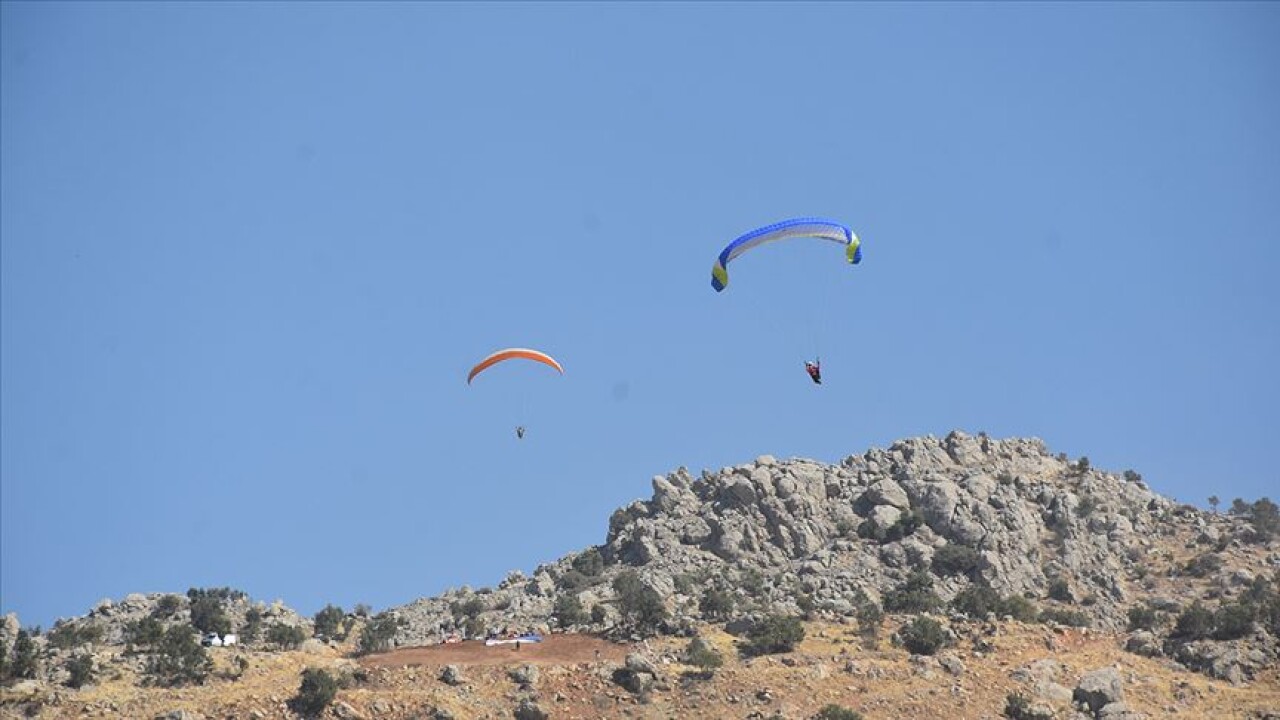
point(563, 649)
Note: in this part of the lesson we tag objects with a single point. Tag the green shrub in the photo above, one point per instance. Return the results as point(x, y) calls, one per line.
point(1018, 607)
point(178, 659)
point(80, 668)
point(702, 655)
point(24, 664)
point(328, 622)
point(923, 636)
point(252, 628)
point(589, 562)
point(954, 559)
point(1203, 565)
point(4, 659)
point(317, 690)
point(684, 583)
point(598, 614)
point(836, 712)
point(1059, 590)
point(1265, 518)
point(914, 595)
point(568, 610)
point(774, 634)
point(207, 615)
point(868, 613)
point(1018, 707)
point(1194, 623)
point(573, 580)
point(716, 604)
point(976, 601)
point(378, 633)
point(1143, 617)
point(1232, 621)
point(286, 637)
point(65, 635)
point(1086, 506)
point(144, 633)
point(1062, 616)
point(167, 606)
point(469, 608)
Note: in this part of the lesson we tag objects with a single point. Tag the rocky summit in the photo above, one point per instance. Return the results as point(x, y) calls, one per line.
point(965, 575)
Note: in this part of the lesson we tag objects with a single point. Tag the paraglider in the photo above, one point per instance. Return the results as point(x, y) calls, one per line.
point(785, 230)
point(513, 354)
point(815, 370)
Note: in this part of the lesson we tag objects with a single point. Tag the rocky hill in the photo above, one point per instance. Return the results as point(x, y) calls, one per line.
point(989, 544)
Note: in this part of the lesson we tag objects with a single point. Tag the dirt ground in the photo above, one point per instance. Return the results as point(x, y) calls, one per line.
point(553, 650)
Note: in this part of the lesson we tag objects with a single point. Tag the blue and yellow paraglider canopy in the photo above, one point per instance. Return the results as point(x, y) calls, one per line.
point(785, 230)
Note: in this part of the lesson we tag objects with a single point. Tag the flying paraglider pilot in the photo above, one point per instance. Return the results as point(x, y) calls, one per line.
point(520, 432)
point(815, 370)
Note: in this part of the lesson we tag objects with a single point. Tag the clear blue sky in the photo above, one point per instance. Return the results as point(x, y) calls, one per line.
point(251, 250)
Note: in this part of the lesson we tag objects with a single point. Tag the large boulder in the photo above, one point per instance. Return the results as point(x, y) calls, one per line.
point(1099, 688)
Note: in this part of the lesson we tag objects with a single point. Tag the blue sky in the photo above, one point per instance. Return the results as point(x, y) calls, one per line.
point(248, 253)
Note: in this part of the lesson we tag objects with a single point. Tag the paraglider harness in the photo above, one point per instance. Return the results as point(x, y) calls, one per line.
point(815, 370)
point(520, 432)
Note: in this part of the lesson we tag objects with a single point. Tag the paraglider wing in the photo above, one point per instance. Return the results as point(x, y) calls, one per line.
point(510, 354)
point(794, 228)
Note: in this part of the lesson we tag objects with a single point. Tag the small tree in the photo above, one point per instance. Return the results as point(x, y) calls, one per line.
point(328, 622)
point(976, 601)
point(1265, 517)
point(774, 634)
point(639, 603)
point(914, 595)
point(1061, 616)
point(1232, 621)
point(24, 656)
point(598, 614)
point(378, 634)
point(144, 633)
point(1213, 503)
point(951, 559)
point(589, 562)
point(869, 615)
point(208, 616)
point(178, 659)
point(286, 637)
point(167, 606)
point(923, 636)
point(4, 659)
point(1143, 617)
point(80, 667)
point(252, 628)
point(317, 690)
point(568, 610)
point(716, 604)
point(702, 655)
point(1059, 590)
point(1194, 623)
